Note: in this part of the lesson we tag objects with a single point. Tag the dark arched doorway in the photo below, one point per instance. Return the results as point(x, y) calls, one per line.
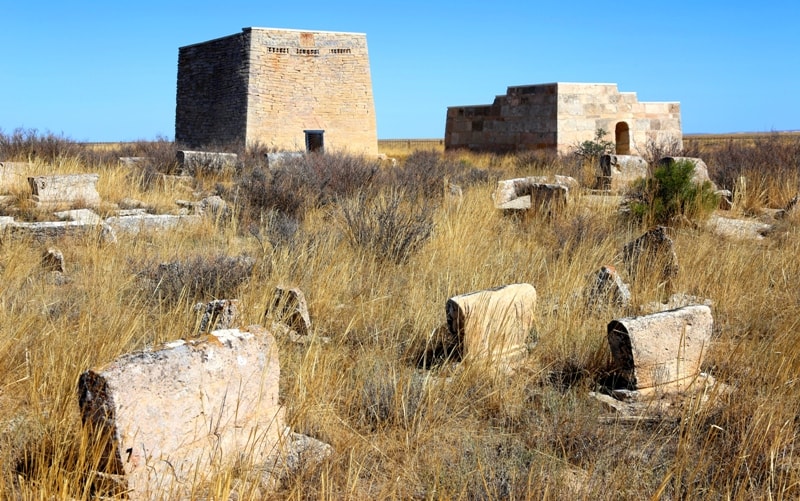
point(622, 136)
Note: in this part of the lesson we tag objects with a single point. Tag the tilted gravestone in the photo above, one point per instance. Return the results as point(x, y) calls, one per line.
point(289, 307)
point(663, 350)
point(65, 190)
point(492, 325)
point(174, 415)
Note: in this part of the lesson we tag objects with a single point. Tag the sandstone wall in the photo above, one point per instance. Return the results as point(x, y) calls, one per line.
point(268, 86)
point(311, 81)
point(559, 116)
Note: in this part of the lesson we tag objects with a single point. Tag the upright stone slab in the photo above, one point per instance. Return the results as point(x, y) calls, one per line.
point(176, 414)
point(9, 171)
point(664, 350)
point(618, 172)
point(653, 252)
point(494, 324)
point(289, 306)
point(65, 190)
point(607, 288)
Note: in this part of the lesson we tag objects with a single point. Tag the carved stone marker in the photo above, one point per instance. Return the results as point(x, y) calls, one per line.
point(218, 314)
point(53, 260)
point(494, 324)
point(289, 307)
point(175, 415)
point(663, 350)
point(617, 172)
point(66, 189)
point(607, 288)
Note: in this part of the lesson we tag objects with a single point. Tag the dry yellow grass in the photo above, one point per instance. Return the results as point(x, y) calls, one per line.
point(399, 431)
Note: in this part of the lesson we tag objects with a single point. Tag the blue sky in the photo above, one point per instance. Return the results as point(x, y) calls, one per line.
point(107, 71)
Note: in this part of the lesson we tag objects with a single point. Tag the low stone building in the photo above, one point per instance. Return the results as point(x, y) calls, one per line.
point(559, 116)
point(285, 89)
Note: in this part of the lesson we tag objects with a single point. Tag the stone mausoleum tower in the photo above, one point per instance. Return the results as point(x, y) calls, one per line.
point(289, 90)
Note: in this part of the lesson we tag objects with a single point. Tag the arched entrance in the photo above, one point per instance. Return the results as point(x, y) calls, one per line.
point(622, 135)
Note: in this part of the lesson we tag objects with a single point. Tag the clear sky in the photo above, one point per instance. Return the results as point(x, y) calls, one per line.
point(107, 71)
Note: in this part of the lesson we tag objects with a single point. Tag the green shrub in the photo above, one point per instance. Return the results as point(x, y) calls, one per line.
point(594, 149)
point(671, 194)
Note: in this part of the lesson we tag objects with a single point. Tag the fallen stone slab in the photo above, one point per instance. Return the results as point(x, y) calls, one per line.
point(81, 215)
point(194, 162)
point(663, 351)
point(66, 189)
point(618, 172)
point(174, 416)
point(738, 229)
point(540, 195)
point(492, 325)
point(702, 394)
point(53, 230)
point(138, 223)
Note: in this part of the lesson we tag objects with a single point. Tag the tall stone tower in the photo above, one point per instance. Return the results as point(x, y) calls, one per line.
point(285, 89)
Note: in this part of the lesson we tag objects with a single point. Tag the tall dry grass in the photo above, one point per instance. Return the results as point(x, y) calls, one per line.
point(399, 430)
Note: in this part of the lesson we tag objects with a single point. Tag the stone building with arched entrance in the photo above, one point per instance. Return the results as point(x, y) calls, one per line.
point(559, 116)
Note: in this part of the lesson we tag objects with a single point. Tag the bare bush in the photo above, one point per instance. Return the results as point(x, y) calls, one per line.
point(200, 278)
point(387, 224)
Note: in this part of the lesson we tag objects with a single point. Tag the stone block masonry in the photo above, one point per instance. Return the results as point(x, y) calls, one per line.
point(285, 89)
point(557, 117)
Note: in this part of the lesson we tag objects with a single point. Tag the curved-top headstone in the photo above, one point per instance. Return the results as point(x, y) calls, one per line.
point(493, 324)
point(663, 350)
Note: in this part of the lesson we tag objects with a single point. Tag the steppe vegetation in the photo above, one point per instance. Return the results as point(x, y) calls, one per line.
point(378, 250)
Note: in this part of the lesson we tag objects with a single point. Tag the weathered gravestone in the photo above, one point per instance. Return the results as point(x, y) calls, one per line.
point(653, 252)
point(661, 351)
point(53, 260)
point(290, 308)
point(218, 314)
point(607, 289)
point(65, 190)
point(492, 325)
point(618, 172)
point(175, 415)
